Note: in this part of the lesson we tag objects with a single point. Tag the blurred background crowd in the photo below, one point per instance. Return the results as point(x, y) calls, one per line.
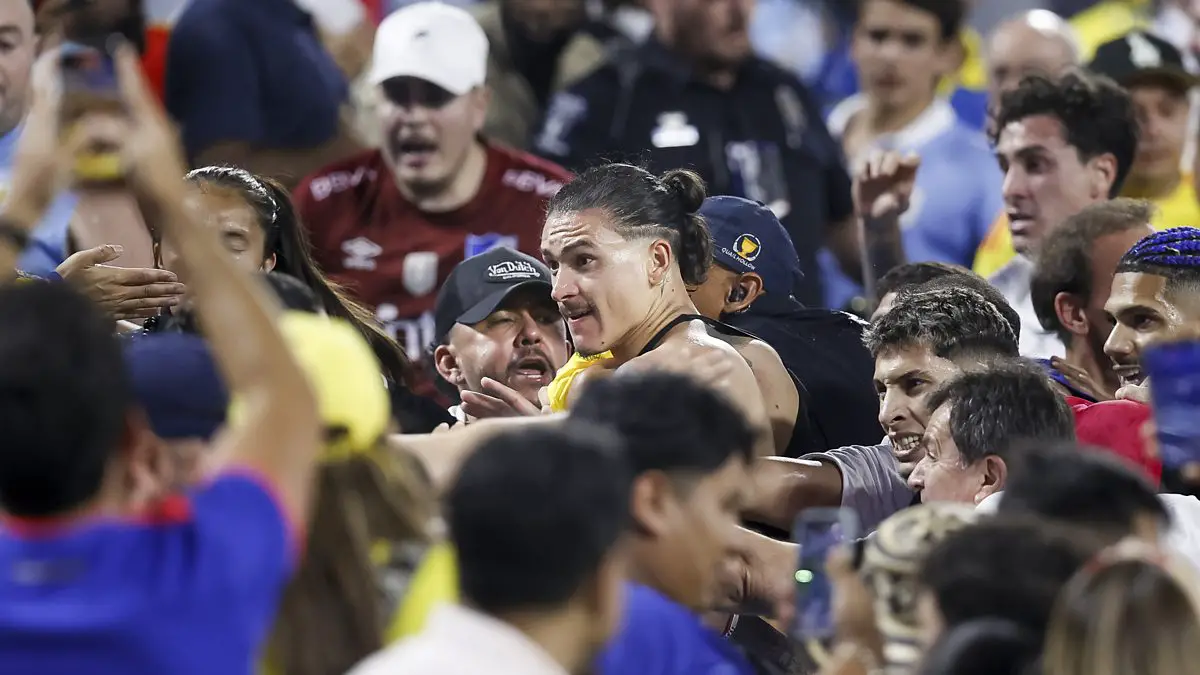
point(600, 337)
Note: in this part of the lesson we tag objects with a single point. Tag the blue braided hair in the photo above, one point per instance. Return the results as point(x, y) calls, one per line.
point(1173, 253)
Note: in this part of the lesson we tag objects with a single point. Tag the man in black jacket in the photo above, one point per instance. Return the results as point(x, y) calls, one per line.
point(750, 286)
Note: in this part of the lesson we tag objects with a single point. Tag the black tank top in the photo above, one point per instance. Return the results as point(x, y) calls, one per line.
point(803, 440)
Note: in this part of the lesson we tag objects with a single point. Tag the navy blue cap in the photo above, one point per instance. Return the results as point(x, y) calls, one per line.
point(478, 286)
point(747, 237)
point(176, 382)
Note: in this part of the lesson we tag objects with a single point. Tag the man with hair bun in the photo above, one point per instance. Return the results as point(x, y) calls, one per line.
point(624, 247)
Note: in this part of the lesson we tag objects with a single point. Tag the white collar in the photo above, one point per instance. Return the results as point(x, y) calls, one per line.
point(935, 120)
point(1018, 268)
point(990, 503)
point(484, 634)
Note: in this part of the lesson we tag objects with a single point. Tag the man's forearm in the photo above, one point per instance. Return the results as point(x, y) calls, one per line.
point(882, 250)
point(766, 576)
point(441, 454)
point(866, 250)
point(783, 487)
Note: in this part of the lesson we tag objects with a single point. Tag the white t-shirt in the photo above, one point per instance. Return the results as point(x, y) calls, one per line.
point(1184, 536)
point(1012, 281)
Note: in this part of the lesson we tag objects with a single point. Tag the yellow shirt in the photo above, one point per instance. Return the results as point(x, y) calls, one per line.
point(1108, 20)
point(560, 387)
point(1178, 209)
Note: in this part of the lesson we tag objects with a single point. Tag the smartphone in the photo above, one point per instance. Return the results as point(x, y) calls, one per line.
point(89, 84)
point(818, 532)
point(1173, 372)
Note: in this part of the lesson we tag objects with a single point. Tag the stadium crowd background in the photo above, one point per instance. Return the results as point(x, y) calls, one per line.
point(527, 336)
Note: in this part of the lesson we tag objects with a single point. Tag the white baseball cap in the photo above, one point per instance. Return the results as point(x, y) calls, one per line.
point(432, 41)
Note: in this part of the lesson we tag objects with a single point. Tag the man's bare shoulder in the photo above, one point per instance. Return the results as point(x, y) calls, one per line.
point(765, 362)
point(690, 351)
point(757, 354)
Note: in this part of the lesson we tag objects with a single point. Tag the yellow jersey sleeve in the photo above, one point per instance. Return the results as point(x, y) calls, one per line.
point(996, 249)
point(560, 387)
point(435, 582)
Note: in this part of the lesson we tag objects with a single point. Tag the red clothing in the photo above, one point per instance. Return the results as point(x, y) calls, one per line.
point(394, 258)
point(1116, 426)
point(154, 61)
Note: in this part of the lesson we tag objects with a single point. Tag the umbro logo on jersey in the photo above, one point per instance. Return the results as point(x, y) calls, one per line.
point(360, 253)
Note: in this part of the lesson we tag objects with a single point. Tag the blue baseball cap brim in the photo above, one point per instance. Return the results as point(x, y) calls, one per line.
point(748, 237)
point(177, 384)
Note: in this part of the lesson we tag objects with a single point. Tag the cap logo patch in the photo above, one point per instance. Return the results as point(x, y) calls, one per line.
point(1142, 52)
point(747, 247)
point(510, 270)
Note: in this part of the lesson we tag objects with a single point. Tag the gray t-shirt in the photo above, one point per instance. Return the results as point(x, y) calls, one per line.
point(871, 481)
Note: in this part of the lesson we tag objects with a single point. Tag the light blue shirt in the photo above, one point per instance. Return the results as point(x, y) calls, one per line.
point(48, 243)
point(956, 199)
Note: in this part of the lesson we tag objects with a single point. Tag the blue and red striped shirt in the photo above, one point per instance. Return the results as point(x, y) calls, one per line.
point(191, 588)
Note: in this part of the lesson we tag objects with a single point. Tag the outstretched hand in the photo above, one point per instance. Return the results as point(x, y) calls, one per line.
point(1081, 380)
point(883, 185)
point(705, 365)
point(497, 400)
point(123, 293)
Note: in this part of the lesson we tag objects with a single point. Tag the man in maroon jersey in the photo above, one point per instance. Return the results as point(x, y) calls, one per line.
point(391, 223)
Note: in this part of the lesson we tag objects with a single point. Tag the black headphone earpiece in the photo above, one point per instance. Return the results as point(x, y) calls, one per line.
point(736, 294)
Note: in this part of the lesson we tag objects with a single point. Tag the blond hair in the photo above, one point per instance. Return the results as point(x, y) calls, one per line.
point(1130, 612)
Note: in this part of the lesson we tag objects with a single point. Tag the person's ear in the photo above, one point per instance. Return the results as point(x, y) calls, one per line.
point(659, 261)
point(1102, 171)
point(1069, 310)
point(481, 100)
point(445, 359)
point(995, 474)
point(269, 263)
point(652, 503)
point(744, 292)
